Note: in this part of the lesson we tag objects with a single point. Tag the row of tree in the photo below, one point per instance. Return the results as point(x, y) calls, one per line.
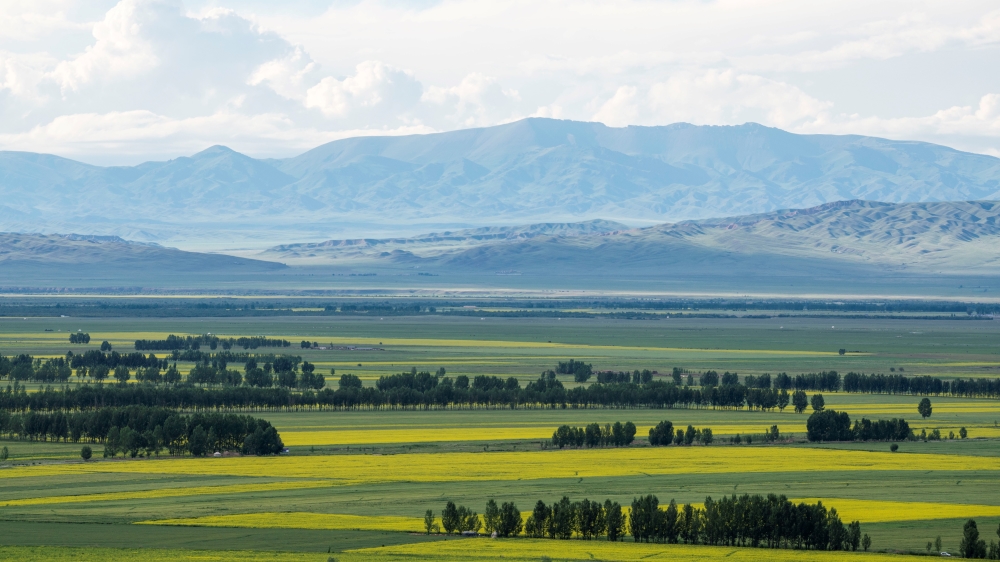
point(623, 377)
point(770, 521)
point(134, 429)
point(974, 547)
point(663, 434)
point(270, 387)
point(617, 435)
point(79, 337)
point(581, 371)
point(831, 425)
point(194, 343)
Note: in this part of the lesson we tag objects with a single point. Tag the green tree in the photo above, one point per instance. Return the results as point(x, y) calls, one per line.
point(783, 399)
point(689, 435)
point(121, 374)
point(510, 520)
point(853, 535)
point(449, 518)
point(706, 436)
point(198, 441)
point(817, 402)
point(614, 521)
point(937, 544)
point(799, 401)
point(86, 452)
point(105, 346)
point(429, 521)
point(972, 546)
point(924, 408)
point(491, 517)
point(112, 442)
point(963, 433)
point(866, 542)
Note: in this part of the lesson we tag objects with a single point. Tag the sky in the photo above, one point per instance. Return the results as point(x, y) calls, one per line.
point(118, 83)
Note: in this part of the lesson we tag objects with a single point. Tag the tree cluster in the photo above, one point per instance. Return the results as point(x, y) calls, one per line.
point(663, 434)
point(134, 429)
point(770, 521)
point(830, 425)
point(624, 377)
point(617, 435)
point(581, 371)
point(194, 343)
point(974, 547)
point(750, 520)
point(79, 337)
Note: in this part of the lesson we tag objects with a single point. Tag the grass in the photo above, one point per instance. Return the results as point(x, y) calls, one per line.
point(301, 520)
point(352, 476)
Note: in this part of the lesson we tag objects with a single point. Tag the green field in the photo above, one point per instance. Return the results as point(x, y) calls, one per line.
point(399, 463)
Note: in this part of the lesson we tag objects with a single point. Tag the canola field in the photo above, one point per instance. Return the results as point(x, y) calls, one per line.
point(355, 485)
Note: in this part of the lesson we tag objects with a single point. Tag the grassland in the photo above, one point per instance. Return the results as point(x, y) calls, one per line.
point(356, 481)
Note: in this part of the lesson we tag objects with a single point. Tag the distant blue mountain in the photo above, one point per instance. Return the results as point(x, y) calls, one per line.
point(531, 170)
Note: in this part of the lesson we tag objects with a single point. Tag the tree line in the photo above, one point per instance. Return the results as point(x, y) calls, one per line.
point(581, 371)
point(194, 343)
point(79, 337)
point(617, 435)
point(132, 430)
point(770, 521)
point(831, 425)
point(663, 434)
point(270, 386)
point(972, 546)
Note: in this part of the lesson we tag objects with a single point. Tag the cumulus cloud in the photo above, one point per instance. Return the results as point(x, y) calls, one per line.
point(712, 97)
point(374, 86)
point(147, 77)
point(477, 100)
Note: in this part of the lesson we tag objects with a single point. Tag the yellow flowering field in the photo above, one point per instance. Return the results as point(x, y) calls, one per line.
point(299, 520)
point(874, 511)
point(446, 434)
point(167, 493)
point(533, 549)
point(486, 466)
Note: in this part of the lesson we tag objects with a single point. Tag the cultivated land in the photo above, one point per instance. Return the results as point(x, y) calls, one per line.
point(357, 483)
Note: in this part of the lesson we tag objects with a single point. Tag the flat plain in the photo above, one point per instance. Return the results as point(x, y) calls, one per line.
point(358, 482)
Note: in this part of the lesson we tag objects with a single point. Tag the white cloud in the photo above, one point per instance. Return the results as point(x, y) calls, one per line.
point(263, 75)
point(287, 76)
point(133, 133)
point(712, 97)
point(374, 86)
point(121, 47)
point(477, 100)
point(964, 127)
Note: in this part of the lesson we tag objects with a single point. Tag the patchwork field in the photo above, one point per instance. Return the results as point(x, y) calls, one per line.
point(356, 484)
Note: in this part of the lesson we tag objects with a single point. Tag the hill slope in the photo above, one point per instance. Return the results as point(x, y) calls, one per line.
point(867, 238)
point(78, 255)
point(534, 170)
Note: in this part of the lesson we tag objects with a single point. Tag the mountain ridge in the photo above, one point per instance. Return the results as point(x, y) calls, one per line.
point(529, 171)
point(936, 237)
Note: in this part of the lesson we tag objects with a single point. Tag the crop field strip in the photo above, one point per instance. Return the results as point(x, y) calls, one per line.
point(522, 550)
point(346, 491)
point(871, 511)
point(173, 492)
point(426, 467)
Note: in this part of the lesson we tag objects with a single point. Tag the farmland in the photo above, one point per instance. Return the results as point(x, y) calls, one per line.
point(356, 483)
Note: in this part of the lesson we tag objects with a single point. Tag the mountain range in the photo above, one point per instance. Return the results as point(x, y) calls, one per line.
point(529, 171)
point(938, 238)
